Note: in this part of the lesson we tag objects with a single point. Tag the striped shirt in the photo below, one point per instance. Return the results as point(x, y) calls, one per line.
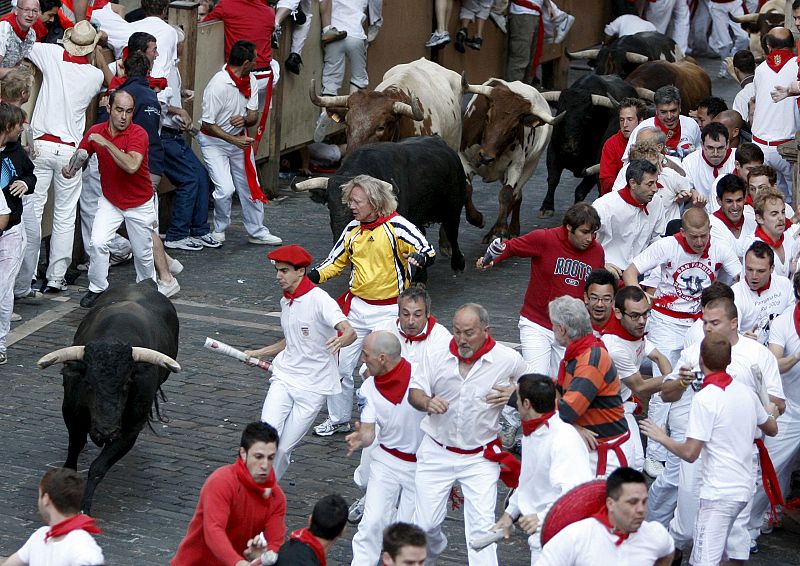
point(379, 269)
point(591, 394)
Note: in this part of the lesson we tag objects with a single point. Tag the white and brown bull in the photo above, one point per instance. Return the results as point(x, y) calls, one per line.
point(507, 126)
point(770, 15)
point(419, 98)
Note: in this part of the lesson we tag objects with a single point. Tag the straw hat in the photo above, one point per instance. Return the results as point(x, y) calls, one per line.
point(81, 39)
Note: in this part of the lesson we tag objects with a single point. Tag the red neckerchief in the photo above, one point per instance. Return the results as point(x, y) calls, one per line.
point(575, 349)
point(778, 58)
point(718, 378)
point(422, 335)
point(796, 318)
point(377, 222)
point(763, 287)
point(716, 168)
point(394, 383)
point(262, 489)
point(600, 327)
point(688, 249)
point(242, 83)
point(74, 523)
point(767, 240)
point(159, 83)
point(627, 196)
point(79, 59)
point(673, 136)
point(303, 287)
point(727, 221)
point(20, 33)
point(748, 200)
point(488, 345)
point(531, 425)
point(40, 29)
point(305, 536)
point(615, 328)
point(602, 517)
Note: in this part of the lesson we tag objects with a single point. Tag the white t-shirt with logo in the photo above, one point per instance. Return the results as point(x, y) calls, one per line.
point(759, 309)
point(76, 548)
point(782, 333)
point(628, 356)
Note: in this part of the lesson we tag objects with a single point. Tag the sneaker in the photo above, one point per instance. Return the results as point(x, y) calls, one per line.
point(461, 38)
point(321, 129)
point(438, 39)
point(83, 266)
point(723, 70)
point(332, 34)
point(563, 28)
point(218, 236)
point(356, 511)
point(292, 63)
point(653, 467)
point(508, 433)
point(89, 299)
point(54, 287)
point(373, 29)
point(186, 243)
point(328, 428)
point(114, 259)
point(3, 358)
point(15, 317)
point(169, 289)
point(32, 297)
point(500, 21)
point(175, 266)
point(208, 241)
point(268, 240)
point(475, 43)
point(753, 546)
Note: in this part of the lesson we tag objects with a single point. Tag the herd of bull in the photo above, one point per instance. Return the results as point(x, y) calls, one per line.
point(411, 132)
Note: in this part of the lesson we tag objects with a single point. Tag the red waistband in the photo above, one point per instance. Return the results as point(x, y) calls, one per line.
point(771, 143)
point(615, 445)
point(392, 301)
point(405, 456)
point(54, 139)
point(676, 314)
point(527, 4)
point(466, 451)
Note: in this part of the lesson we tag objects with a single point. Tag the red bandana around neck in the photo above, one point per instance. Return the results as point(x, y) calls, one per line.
point(303, 287)
point(394, 383)
point(305, 536)
point(74, 523)
point(18, 31)
point(575, 349)
point(764, 287)
point(485, 348)
point(718, 378)
point(727, 221)
point(242, 83)
point(716, 168)
point(531, 425)
point(77, 59)
point(764, 237)
point(778, 58)
point(614, 326)
point(796, 318)
point(673, 136)
point(377, 222)
point(688, 249)
point(40, 29)
point(422, 335)
point(748, 200)
point(262, 489)
point(155, 83)
point(626, 195)
point(602, 517)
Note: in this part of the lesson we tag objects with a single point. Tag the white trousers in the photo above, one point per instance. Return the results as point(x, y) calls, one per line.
point(700, 28)
point(663, 493)
point(389, 478)
point(539, 348)
point(12, 246)
point(726, 35)
point(535, 544)
point(636, 447)
point(91, 192)
point(437, 471)
point(663, 12)
point(51, 158)
point(714, 524)
point(225, 164)
point(355, 51)
point(140, 221)
point(291, 412)
point(783, 168)
point(471, 9)
point(361, 475)
point(363, 318)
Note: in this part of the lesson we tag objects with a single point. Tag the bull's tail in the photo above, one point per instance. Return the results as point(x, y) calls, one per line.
point(161, 418)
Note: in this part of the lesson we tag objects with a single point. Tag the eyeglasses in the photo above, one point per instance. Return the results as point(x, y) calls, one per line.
point(634, 316)
point(32, 11)
point(604, 300)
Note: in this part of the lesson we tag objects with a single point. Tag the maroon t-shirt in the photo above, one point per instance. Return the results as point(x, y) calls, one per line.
point(122, 189)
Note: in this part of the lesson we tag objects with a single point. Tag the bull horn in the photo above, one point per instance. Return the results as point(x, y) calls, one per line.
point(307, 185)
point(327, 101)
point(645, 93)
point(593, 170)
point(148, 356)
point(636, 57)
point(485, 90)
point(69, 354)
point(744, 18)
point(585, 54)
point(413, 110)
point(551, 96)
point(545, 117)
point(606, 101)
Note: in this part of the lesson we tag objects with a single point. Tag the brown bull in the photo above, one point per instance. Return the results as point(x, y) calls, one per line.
point(692, 81)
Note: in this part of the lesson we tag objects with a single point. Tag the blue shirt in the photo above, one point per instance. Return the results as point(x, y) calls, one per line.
point(147, 114)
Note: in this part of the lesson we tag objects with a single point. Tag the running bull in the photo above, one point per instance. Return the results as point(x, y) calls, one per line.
point(122, 353)
point(629, 51)
point(691, 79)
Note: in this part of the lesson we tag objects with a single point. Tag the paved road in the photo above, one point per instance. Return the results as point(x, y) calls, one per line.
point(146, 501)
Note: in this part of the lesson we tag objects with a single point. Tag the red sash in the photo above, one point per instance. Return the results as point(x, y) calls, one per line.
point(510, 467)
point(615, 445)
point(796, 318)
point(769, 478)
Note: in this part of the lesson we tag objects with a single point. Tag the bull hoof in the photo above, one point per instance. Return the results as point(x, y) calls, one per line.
point(458, 263)
point(545, 213)
point(488, 238)
point(445, 250)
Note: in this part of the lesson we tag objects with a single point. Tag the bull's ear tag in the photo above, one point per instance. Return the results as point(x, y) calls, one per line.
point(336, 117)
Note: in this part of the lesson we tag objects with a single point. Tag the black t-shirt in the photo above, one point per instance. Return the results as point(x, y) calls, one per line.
point(296, 553)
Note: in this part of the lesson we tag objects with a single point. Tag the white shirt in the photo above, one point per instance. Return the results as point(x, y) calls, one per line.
point(307, 324)
point(554, 460)
point(349, 16)
point(76, 548)
point(690, 135)
point(626, 230)
point(66, 92)
point(684, 275)
point(415, 352)
point(222, 100)
point(3, 204)
point(774, 121)
point(671, 184)
point(726, 422)
point(741, 101)
point(790, 247)
point(701, 175)
point(12, 49)
point(782, 333)
point(721, 232)
point(469, 422)
point(166, 43)
point(628, 24)
point(759, 309)
point(628, 356)
point(589, 543)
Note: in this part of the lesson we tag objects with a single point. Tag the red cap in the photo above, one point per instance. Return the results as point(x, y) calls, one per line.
point(292, 254)
point(581, 502)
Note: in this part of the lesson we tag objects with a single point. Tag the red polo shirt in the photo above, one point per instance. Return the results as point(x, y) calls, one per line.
point(122, 189)
point(252, 20)
point(611, 161)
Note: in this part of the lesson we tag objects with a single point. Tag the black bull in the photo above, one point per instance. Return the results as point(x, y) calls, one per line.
point(428, 179)
point(122, 353)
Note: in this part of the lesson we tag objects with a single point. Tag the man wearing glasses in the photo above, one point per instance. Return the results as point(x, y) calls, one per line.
point(598, 296)
point(17, 35)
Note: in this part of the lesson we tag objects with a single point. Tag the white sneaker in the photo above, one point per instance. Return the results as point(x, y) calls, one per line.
point(563, 28)
point(356, 510)
point(269, 240)
point(218, 236)
point(15, 317)
point(188, 243)
point(321, 129)
point(175, 266)
point(169, 289)
point(653, 467)
point(207, 241)
point(437, 39)
point(508, 433)
point(328, 428)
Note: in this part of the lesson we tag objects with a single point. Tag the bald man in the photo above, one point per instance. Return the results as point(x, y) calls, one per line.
point(733, 121)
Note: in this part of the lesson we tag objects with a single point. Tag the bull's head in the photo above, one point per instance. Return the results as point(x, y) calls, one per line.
point(107, 373)
point(328, 191)
point(577, 108)
point(372, 116)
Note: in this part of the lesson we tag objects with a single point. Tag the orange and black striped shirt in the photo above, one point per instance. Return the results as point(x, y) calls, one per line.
point(590, 394)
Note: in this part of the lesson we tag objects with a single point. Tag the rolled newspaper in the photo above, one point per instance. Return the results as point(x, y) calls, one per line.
point(482, 541)
point(762, 389)
point(223, 348)
point(77, 160)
